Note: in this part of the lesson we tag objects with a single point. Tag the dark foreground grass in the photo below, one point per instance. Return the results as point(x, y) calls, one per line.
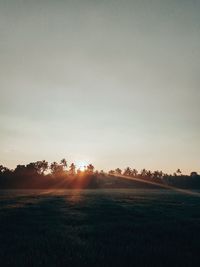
point(99, 228)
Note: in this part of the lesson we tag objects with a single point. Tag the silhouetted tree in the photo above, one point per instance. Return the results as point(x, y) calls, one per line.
point(149, 174)
point(193, 174)
point(134, 172)
point(56, 169)
point(42, 166)
point(20, 169)
point(118, 171)
point(90, 168)
point(3, 169)
point(102, 173)
point(143, 173)
point(72, 169)
point(31, 169)
point(63, 162)
point(33, 175)
point(156, 174)
point(127, 171)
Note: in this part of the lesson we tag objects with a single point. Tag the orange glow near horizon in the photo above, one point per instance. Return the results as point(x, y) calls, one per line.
point(82, 166)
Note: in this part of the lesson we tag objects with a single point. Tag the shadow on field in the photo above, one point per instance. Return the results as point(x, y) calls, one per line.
point(92, 228)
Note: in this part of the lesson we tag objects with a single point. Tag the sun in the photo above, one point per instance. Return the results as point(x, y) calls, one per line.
point(82, 166)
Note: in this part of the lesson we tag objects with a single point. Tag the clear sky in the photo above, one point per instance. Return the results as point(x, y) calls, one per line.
point(110, 82)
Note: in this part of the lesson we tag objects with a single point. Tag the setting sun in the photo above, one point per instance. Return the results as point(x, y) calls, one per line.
point(82, 166)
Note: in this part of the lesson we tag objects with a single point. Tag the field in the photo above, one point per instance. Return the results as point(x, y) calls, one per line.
point(129, 227)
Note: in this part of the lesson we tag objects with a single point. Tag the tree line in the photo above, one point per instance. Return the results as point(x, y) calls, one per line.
point(41, 174)
point(44, 168)
point(175, 179)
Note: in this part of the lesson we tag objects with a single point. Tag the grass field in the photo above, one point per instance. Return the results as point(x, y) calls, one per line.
point(99, 228)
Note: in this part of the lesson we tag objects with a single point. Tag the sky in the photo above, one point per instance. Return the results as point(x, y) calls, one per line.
point(113, 83)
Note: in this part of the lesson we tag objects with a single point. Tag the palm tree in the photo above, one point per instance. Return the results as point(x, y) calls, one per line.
point(134, 172)
point(161, 174)
point(143, 172)
point(179, 172)
point(118, 171)
point(90, 168)
point(127, 171)
point(149, 174)
point(63, 162)
point(72, 169)
point(54, 167)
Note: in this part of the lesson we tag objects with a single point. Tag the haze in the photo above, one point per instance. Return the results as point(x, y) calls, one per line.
point(114, 83)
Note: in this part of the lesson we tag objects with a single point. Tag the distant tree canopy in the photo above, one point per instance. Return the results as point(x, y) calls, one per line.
point(41, 174)
point(177, 179)
point(44, 174)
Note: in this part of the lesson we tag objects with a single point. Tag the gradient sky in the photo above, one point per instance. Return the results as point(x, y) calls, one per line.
point(110, 82)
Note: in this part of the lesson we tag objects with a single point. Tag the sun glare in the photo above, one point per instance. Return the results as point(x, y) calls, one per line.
point(82, 166)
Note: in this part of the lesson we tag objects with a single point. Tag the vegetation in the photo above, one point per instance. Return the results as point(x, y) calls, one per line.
point(176, 179)
point(41, 174)
point(110, 228)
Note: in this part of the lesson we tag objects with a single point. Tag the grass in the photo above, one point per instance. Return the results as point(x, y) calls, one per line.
point(99, 228)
